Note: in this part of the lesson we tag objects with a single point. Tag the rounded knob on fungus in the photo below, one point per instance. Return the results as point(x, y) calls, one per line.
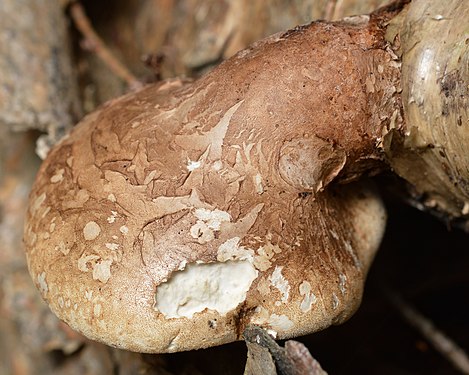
point(172, 217)
point(310, 163)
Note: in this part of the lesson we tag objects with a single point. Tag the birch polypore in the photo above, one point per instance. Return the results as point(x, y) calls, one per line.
point(172, 217)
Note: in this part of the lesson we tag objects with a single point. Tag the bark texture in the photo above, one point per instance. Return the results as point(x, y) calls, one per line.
point(38, 88)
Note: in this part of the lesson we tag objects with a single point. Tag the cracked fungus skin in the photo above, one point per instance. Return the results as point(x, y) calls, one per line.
point(232, 169)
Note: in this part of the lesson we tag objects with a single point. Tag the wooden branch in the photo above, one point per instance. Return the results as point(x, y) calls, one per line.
point(440, 341)
point(97, 45)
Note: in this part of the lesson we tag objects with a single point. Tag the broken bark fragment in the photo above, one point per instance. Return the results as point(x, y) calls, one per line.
point(37, 86)
point(266, 357)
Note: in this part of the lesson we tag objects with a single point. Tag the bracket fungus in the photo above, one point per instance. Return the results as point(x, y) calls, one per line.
point(172, 217)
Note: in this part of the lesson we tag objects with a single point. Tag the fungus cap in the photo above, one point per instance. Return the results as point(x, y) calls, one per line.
point(172, 217)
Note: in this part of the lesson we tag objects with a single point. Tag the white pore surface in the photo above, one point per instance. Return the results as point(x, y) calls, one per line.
point(214, 286)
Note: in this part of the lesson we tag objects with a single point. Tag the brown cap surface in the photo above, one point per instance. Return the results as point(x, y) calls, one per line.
point(173, 217)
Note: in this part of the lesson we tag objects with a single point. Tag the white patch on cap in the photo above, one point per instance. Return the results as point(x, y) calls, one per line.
point(41, 280)
point(335, 301)
point(272, 333)
point(280, 322)
point(208, 222)
point(214, 218)
point(258, 184)
point(84, 260)
point(201, 232)
point(45, 212)
point(265, 254)
point(218, 132)
point(111, 219)
point(309, 297)
point(89, 295)
point(217, 165)
point(215, 286)
point(334, 234)
point(193, 165)
point(263, 286)
point(262, 263)
point(353, 254)
point(101, 267)
point(277, 323)
point(124, 230)
point(172, 345)
point(149, 178)
point(230, 250)
point(112, 246)
point(97, 309)
point(38, 202)
point(342, 283)
point(102, 270)
point(59, 176)
point(91, 230)
point(111, 197)
point(182, 265)
point(62, 248)
point(278, 281)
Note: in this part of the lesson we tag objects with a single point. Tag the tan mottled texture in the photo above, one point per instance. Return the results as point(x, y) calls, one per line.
point(260, 139)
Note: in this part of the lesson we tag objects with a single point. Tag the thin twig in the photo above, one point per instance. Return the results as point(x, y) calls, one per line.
point(95, 43)
point(441, 342)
